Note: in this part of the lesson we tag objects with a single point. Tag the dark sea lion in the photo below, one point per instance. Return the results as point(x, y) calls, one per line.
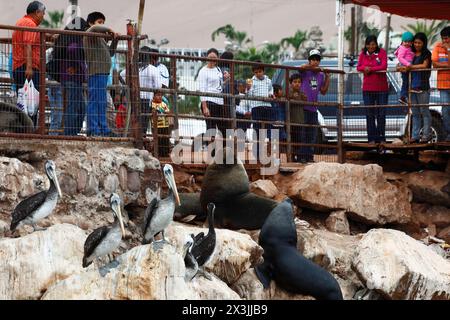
point(288, 267)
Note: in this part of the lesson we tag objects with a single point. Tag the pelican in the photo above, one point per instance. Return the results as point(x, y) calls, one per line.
point(40, 205)
point(203, 247)
point(159, 213)
point(189, 260)
point(104, 240)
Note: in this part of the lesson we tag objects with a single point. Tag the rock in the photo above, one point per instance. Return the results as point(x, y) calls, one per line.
point(400, 267)
point(81, 180)
point(431, 230)
point(91, 186)
point(123, 174)
point(68, 185)
point(31, 264)
point(264, 188)
point(444, 234)
point(235, 252)
point(111, 183)
point(362, 191)
point(142, 274)
point(4, 227)
point(427, 187)
point(133, 181)
point(425, 214)
point(249, 287)
point(337, 222)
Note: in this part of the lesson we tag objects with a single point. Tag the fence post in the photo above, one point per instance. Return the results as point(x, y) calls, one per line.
point(42, 93)
point(154, 117)
point(408, 116)
point(341, 152)
point(133, 82)
point(233, 107)
point(173, 70)
point(288, 117)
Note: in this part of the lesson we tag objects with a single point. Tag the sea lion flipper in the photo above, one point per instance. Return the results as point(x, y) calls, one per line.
point(264, 273)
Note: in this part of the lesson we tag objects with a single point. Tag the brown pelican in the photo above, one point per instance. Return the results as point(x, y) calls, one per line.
point(40, 205)
point(159, 213)
point(203, 247)
point(104, 240)
point(189, 260)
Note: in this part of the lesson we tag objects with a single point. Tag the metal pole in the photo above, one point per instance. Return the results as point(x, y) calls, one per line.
point(42, 71)
point(388, 30)
point(288, 118)
point(140, 16)
point(340, 22)
point(353, 28)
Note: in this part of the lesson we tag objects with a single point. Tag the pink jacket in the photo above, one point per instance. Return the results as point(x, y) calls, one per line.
point(374, 81)
point(404, 55)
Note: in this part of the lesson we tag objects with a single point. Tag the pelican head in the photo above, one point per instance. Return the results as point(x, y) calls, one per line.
point(170, 179)
point(50, 169)
point(188, 246)
point(117, 210)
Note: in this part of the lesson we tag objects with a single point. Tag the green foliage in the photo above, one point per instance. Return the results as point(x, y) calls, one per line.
point(296, 41)
point(432, 31)
point(189, 105)
point(231, 34)
point(56, 19)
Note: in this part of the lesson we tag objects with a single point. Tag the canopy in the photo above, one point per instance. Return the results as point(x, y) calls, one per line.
point(426, 9)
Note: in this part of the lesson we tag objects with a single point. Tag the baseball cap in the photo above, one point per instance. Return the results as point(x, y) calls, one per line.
point(314, 52)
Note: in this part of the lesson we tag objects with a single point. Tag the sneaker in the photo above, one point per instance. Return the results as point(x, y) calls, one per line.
point(403, 100)
point(416, 91)
point(425, 140)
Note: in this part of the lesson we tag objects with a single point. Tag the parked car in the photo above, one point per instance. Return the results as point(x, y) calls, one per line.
point(354, 122)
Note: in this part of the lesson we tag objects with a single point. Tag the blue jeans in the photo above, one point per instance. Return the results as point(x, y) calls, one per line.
point(55, 100)
point(421, 112)
point(445, 98)
point(405, 83)
point(96, 110)
point(76, 108)
point(375, 130)
point(308, 135)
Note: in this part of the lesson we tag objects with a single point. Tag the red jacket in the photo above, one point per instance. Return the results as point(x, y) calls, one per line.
point(374, 81)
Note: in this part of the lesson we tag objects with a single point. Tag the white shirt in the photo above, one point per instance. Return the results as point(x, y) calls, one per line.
point(149, 78)
point(163, 74)
point(210, 80)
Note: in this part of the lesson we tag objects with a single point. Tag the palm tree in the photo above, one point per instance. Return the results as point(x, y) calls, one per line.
point(296, 41)
point(231, 34)
point(56, 19)
point(431, 31)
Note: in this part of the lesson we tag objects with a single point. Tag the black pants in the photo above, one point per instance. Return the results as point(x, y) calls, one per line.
point(163, 142)
point(262, 114)
point(146, 110)
point(19, 80)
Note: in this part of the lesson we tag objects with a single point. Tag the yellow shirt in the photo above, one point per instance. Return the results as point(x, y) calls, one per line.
point(161, 107)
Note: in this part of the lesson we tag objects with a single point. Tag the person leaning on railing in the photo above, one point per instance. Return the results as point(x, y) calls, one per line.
point(420, 88)
point(26, 48)
point(441, 59)
point(375, 88)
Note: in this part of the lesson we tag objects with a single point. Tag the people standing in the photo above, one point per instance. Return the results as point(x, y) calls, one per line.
point(371, 61)
point(420, 89)
point(297, 115)
point(441, 59)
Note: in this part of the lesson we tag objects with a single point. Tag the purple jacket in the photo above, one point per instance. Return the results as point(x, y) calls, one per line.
point(74, 58)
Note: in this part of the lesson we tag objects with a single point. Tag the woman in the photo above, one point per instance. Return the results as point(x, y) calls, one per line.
point(70, 54)
point(420, 88)
point(375, 88)
point(210, 79)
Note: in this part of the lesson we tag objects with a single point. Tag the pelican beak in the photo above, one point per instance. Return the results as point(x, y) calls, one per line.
point(119, 215)
point(173, 186)
point(55, 179)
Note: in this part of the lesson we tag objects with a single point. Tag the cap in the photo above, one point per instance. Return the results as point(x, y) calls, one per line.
point(315, 52)
point(407, 36)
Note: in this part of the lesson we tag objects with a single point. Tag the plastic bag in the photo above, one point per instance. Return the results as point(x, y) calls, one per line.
point(28, 98)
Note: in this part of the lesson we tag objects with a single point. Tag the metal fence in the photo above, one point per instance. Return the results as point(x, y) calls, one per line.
point(173, 104)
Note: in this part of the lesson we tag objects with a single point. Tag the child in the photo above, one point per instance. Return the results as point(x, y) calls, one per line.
point(242, 111)
point(261, 86)
point(405, 56)
point(98, 58)
point(279, 109)
point(163, 126)
point(296, 112)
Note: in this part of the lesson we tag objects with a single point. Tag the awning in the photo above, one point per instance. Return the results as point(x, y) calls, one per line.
point(426, 9)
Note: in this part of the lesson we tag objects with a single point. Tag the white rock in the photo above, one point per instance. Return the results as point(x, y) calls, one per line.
point(264, 188)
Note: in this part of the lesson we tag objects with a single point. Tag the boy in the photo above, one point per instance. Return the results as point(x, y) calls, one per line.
point(242, 111)
point(279, 108)
point(296, 113)
point(98, 58)
point(405, 56)
point(261, 86)
point(441, 59)
point(163, 126)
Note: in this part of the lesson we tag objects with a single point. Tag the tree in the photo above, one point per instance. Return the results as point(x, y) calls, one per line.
point(431, 31)
point(239, 38)
point(56, 19)
point(296, 41)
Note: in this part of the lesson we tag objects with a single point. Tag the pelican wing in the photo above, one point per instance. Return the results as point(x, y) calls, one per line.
point(149, 212)
point(94, 239)
point(198, 237)
point(27, 206)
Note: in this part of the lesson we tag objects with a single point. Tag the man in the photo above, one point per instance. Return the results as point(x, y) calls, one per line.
point(25, 48)
point(98, 58)
point(440, 58)
point(314, 81)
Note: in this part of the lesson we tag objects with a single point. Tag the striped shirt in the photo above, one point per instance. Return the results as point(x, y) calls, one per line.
point(260, 88)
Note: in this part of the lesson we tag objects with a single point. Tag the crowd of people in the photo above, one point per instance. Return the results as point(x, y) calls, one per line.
point(77, 59)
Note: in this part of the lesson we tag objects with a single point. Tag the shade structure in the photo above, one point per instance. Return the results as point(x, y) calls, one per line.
point(426, 9)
